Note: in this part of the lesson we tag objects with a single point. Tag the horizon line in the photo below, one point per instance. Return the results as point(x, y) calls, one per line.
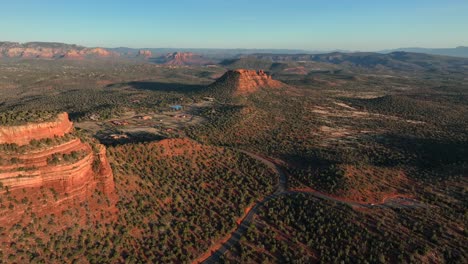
point(218, 48)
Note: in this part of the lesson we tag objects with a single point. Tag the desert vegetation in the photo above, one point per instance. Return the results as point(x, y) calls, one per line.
point(176, 198)
point(361, 133)
point(184, 194)
point(10, 118)
point(306, 229)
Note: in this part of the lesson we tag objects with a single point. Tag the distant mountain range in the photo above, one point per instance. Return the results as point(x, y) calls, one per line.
point(398, 61)
point(226, 53)
point(51, 50)
point(455, 52)
point(209, 53)
point(179, 57)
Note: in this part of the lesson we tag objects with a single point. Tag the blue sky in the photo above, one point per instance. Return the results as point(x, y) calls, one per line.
point(295, 24)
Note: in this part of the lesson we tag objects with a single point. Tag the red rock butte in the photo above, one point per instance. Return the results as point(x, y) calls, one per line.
point(183, 59)
point(179, 58)
point(249, 81)
point(50, 164)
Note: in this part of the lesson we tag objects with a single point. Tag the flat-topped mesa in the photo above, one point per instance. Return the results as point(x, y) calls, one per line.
point(248, 81)
point(23, 134)
point(183, 59)
point(73, 168)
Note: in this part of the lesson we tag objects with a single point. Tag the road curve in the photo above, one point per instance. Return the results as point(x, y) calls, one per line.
point(282, 189)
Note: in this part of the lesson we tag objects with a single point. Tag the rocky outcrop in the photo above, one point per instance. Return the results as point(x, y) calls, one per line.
point(73, 54)
point(23, 134)
point(47, 50)
point(146, 54)
point(179, 58)
point(89, 53)
point(72, 168)
point(182, 59)
point(105, 178)
point(99, 52)
point(244, 82)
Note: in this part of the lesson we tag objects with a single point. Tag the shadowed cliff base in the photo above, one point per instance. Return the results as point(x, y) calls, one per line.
point(108, 138)
point(160, 86)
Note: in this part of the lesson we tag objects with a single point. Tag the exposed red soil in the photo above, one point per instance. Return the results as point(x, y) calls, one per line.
point(373, 184)
point(368, 184)
point(53, 212)
point(223, 240)
point(177, 146)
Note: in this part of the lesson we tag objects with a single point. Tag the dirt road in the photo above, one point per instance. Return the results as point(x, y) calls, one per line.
point(282, 189)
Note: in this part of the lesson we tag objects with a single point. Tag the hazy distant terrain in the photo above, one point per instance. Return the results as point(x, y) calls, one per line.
point(244, 156)
point(455, 52)
point(200, 132)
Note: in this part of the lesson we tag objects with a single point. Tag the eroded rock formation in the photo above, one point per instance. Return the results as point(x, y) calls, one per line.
point(58, 161)
point(51, 51)
point(144, 54)
point(182, 59)
point(244, 82)
point(23, 134)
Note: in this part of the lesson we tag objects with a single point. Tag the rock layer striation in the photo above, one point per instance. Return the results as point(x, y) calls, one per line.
point(72, 168)
point(23, 134)
point(244, 82)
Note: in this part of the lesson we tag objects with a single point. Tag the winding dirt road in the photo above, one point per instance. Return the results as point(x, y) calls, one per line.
point(282, 189)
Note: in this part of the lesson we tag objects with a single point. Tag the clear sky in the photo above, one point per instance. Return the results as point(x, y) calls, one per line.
point(295, 24)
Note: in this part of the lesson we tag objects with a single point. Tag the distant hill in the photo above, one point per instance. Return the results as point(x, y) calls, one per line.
point(182, 59)
point(51, 50)
point(211, 53)
point(250, 62)
point(395, 61)
point(456, 52)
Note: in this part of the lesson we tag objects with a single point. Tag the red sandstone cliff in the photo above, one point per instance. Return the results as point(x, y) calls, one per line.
point(104, 177)
point(23, 134)
point(183, 59)
point(73, 179)
point(244, 82)
point(89, 53)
